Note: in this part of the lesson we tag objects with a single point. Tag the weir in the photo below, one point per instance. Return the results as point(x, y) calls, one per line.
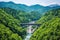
point(23, 24)
point(30, 28)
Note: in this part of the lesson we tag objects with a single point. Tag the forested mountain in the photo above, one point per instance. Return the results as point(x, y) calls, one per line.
point(13, 5)
point(12, 14)
point(8, 22)
point(50, 26)
point(26, 13)
point(26, 8)
point(22, 15)
point(7, 34)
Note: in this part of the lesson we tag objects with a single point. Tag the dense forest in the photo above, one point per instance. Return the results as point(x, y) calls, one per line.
point(13, 15)
point(10, 20)
point(22, 15)
point(10, 28)
point(7, 22)
point(49, 28)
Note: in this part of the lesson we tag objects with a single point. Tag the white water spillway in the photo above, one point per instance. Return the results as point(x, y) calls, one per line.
point(30, 30)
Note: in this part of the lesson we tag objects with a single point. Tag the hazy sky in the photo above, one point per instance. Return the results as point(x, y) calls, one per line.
point(33, 2)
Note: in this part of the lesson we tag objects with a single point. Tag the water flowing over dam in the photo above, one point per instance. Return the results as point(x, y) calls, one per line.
point(30, 30)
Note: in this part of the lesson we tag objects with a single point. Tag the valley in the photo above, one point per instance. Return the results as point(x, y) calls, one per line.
point(35, 22)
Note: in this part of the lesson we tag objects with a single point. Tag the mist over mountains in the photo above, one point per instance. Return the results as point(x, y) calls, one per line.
point(26, 8)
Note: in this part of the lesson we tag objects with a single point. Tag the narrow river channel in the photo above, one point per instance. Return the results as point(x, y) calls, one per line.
point(29, 31)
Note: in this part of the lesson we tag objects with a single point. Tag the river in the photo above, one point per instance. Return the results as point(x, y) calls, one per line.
point(29, 31)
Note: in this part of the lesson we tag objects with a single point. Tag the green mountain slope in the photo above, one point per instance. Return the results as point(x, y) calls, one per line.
point(12, 23)
point(50, 26)
point(7, 34)
point(22, 15)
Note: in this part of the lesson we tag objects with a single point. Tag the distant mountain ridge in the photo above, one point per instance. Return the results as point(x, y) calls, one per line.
point(26, 8)
point(20, 6)
point(13, 5)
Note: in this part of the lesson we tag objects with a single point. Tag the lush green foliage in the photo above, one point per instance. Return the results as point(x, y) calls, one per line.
point(11, 15)
point(7, 34)
point(12, 18)
point(22, 15)
point(12, 23)
point(50, 27)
